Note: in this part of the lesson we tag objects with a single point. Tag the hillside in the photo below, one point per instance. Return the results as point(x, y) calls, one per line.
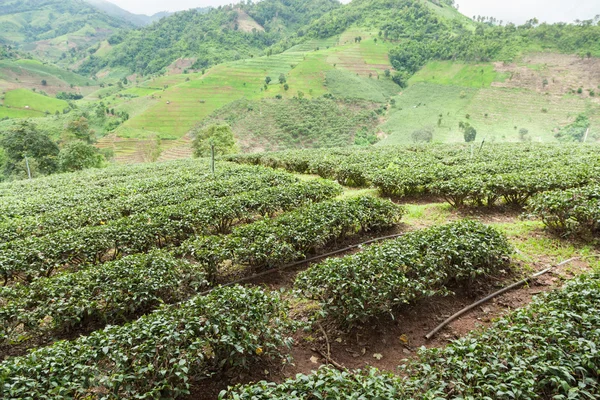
point(420, 66)
point(57, 30)
point(207, 37)
point(117, 12)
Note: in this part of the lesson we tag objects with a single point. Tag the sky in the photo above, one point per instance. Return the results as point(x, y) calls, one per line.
point(517, 11)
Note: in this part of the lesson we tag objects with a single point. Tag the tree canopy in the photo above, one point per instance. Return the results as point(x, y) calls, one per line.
point(221, 136)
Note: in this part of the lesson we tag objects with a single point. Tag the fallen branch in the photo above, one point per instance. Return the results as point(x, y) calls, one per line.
point(329, 360)
point(496, 294)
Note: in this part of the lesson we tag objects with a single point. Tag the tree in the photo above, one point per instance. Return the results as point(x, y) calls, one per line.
point(79, 155)
point(286, 87)
point(3, 161)
point(80, 129)
point(282, 79)
point(44, 82)
point(26, 140)
point(424, 135)
point(268, 80)
point(470, 133)
point(574, 132)
point(524, 135)
point(221, 136)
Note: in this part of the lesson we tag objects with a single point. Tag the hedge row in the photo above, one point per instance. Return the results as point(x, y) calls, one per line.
point(514, 189)
point(110, 293)
point(41, 256)
point(418, 265)
point(158, 355)
point(569, 212)
point(269, 243)
point(507, 172)
point(548, 350)
point(89, 213)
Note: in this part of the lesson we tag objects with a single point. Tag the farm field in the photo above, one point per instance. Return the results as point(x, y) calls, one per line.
point(499, 100)
point(165, 281)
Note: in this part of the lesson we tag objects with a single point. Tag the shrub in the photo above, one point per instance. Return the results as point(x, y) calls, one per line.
point(424, 135)
point(569, 212)
point(157, 355)
point(546, 350)
point(417, 265)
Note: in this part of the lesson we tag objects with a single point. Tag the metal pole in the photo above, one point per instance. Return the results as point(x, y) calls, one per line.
point(586, 135)
point(28, 170)
point(212, 159)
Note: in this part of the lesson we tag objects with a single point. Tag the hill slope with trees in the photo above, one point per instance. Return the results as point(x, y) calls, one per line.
point(208, 37)
point(56, 30)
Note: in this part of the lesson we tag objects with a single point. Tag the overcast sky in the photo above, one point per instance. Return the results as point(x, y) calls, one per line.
point(517, 11)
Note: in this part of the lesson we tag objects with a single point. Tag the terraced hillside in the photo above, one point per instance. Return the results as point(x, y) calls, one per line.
point(56, 30)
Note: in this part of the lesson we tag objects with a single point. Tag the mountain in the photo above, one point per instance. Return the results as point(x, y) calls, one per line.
point(117, 12)
point(316, 73)
point(55, 30)
point(208, 37)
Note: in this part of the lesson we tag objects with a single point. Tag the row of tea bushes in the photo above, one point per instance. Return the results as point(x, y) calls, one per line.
point(569, 212)
point(112, 293)
point(35, 257)
point(547, 350)
point(417, 265)
point(292, 236)
point(159, 355)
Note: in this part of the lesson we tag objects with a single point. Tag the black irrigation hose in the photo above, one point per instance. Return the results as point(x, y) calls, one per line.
point(301, 262)
point(499, 292)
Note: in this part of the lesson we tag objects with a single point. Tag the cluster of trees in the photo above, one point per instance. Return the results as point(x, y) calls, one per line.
point(210, 36)
point(576, 131)
point(67, 96)
point(26, 150)
point(490, 43)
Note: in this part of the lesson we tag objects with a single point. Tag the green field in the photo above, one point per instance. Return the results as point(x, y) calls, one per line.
point(28, 100)
point(458, 74)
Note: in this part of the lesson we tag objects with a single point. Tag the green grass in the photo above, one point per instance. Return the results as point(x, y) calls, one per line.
point(345, 84)
point(35, 66)
point(458, 74)
point(6, 112)
point(494, 112)
point(22, 98)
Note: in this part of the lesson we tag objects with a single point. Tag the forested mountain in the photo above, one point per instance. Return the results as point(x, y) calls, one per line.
point(51, 29)
point(210, 36)
point(116, 11)
point(307, 73)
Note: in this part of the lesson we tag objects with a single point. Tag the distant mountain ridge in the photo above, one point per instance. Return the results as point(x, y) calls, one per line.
point(118, 12)
point(56, 30)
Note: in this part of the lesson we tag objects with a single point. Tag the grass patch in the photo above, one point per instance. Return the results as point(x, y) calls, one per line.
point(458, 74)
point(345, 84)
point(22, 98)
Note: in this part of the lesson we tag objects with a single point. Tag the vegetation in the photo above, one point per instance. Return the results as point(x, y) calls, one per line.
point(29, 23)
point(270, 243)
point(415, 266)
point(222, 36)
point(215, 137)
point(130, 287)
point(569, 212)
point(298, 123)
point(492, 175)
point(523, 355)
point(156, 355)
point(156, 228)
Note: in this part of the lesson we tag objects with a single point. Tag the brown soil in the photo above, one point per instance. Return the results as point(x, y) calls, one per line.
point(562, 72)
point(388, 343)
